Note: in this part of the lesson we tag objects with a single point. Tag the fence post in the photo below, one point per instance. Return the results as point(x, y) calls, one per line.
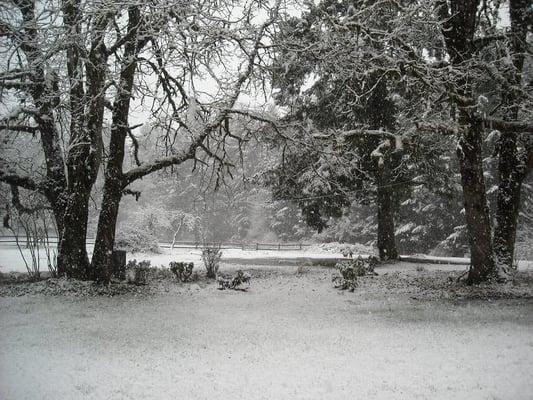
point(279, 246)
point(257, 246)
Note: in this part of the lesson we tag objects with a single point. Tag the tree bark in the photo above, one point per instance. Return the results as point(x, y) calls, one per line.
point(72, 258)
point(508, 204)
point(386, 235)
point(459, 25)
point(476, 206)
point(115, 182)
point(512, 168)
point(105, 236)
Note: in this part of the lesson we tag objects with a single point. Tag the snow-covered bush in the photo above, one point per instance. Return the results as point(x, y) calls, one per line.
point(136, 240)
point(351, 270)
point(183, 271)
point(136, 273)
point(234, 282)
point(211, 255)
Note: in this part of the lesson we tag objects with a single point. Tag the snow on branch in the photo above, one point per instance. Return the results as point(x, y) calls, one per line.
point(379, 152)
point(510, 127)
point(220, 117)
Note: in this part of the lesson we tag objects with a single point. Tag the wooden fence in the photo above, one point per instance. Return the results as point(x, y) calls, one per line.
point(11, 241)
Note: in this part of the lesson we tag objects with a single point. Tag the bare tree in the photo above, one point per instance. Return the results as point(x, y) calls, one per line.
point(76, 69)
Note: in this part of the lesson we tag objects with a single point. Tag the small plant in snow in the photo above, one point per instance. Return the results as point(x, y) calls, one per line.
point(301, 269)
point(371, 263)
point(136, 272)
point(348, 278)
point(351, 270)
point(182, 271)
point(211, 255)
point(234, 282)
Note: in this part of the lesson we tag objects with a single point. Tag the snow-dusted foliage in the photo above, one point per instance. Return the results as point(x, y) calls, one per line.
point(448, 71)
point(137, 272)
point(351, 270)
point(234, 282)
point(183, 271)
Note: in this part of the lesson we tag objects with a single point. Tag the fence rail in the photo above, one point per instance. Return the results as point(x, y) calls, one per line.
point(10, 240)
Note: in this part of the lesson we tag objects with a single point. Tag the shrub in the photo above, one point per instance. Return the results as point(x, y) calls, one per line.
point(159, 274)
point(137, 240)
point(234, 282)
point(182, 271)
point(351, 270)
point(136, 273)
point(211, 255)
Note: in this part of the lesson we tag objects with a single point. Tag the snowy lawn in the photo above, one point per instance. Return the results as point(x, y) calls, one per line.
point(401, 335)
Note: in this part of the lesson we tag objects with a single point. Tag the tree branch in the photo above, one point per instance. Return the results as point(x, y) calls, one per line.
point(220, 117)
point(20, 128)
point(511, 127)
point(22, 181)
point(15, 199)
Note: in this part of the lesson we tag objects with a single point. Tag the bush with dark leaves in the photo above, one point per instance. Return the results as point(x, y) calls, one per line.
point(351, 270)
point(183, 271)
point(136, 273)
point(234, 282)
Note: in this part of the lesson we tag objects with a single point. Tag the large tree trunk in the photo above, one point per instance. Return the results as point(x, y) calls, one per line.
point(386, 239)
point(459, 26)
point(83, 156)
point(115, 182)
point(508, 204)
point(475, 203)
point(511, 167)
point(72, 259)
point(105, 235)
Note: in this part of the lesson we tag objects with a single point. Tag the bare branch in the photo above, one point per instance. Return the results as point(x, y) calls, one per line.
point(25, 182)
point(20, 128)
point(512, 127)
point(15, 199)
point(219, 119)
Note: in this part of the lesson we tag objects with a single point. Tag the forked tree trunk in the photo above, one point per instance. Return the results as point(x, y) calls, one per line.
point(72, 259)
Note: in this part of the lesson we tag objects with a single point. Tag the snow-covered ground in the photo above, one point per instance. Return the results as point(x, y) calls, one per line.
point(290, 336)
